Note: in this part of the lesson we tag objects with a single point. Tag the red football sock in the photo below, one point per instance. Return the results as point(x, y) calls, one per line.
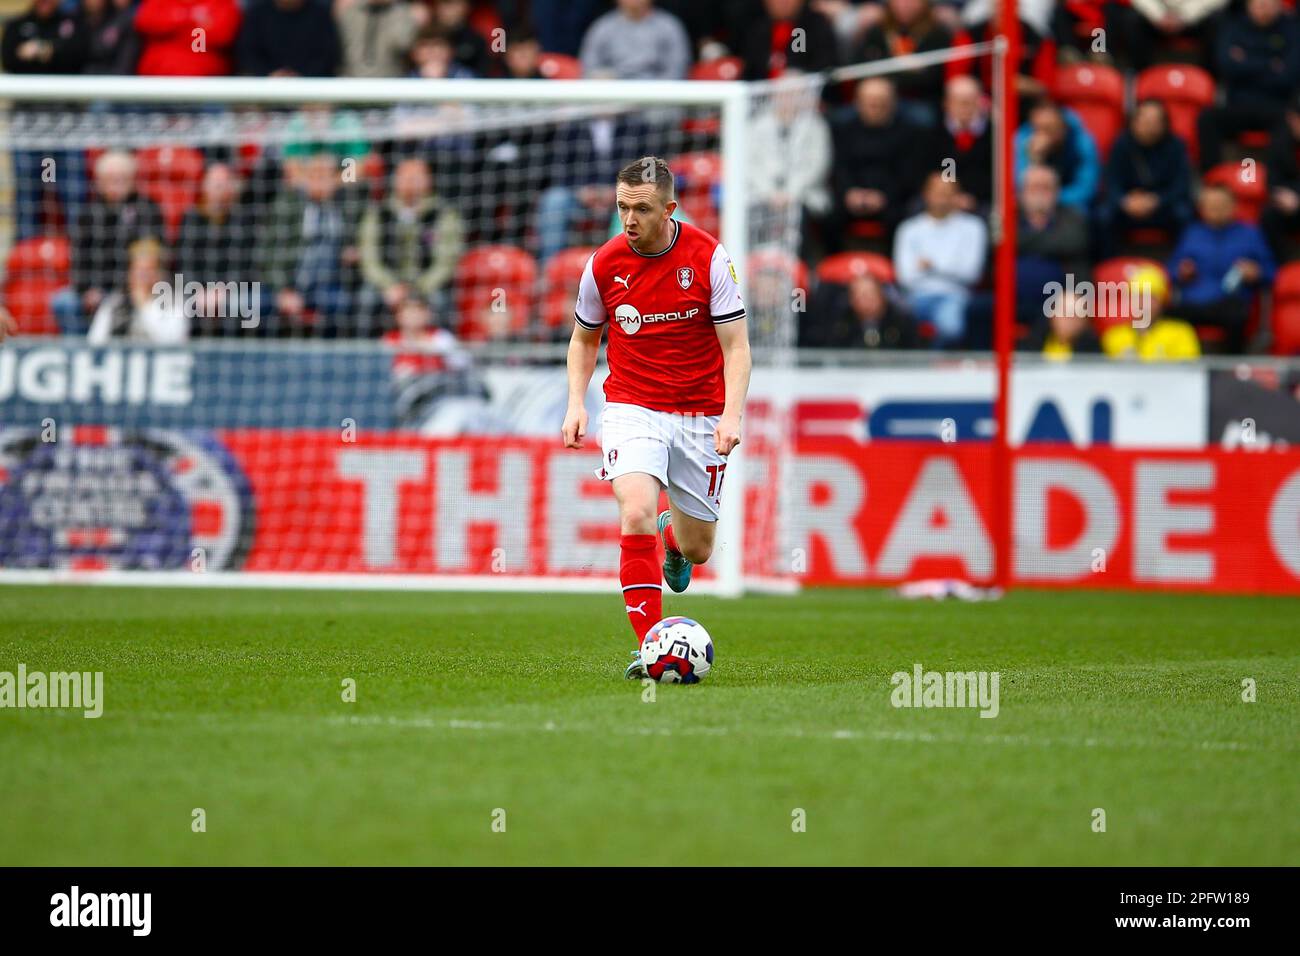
point(670, 538)
point(642, 582)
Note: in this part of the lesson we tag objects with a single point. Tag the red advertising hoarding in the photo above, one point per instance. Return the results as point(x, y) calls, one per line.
point(838, 512)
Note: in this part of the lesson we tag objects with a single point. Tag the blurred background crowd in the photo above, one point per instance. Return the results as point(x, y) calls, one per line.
point(1158, 152)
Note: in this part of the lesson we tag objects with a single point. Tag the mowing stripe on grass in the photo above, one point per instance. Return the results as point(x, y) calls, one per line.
point(899, 736)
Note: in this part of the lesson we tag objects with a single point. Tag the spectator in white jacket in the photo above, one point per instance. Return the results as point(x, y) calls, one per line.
point(636, 42)
point(148, 310)
point(939, 258)
point(790, 155)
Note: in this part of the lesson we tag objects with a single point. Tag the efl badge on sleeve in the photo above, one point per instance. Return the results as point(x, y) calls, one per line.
point(685, 277)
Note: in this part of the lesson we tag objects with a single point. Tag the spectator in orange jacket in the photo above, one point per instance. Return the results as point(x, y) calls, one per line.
point(187, 37)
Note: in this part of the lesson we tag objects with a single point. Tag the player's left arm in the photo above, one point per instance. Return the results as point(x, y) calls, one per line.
point(728, 311)
point(734, 339)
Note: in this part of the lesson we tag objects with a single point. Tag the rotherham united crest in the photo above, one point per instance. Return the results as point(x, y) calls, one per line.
point(685, 277)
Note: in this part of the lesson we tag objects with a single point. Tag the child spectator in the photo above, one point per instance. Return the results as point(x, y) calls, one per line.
point(1151, 337)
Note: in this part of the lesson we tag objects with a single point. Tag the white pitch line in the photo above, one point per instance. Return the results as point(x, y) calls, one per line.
point(897, 736)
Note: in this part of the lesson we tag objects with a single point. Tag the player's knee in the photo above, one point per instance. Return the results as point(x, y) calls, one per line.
point(638, 518)
point(697, 553)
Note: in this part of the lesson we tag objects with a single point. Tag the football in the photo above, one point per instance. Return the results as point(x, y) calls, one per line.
point(677, 650)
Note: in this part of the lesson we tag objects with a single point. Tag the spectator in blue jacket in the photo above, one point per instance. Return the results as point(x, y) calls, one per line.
point(1257, 58)
point(1148, 180)
point(1056, 137)
point(1219, 266)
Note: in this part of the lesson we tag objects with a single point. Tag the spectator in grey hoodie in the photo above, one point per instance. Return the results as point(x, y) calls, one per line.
point(636, 42)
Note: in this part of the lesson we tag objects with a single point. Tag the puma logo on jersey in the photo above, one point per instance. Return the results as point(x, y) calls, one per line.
point(639, 609)
point(624, 280)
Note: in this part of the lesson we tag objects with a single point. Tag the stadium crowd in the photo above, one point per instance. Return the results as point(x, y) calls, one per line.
point(1159, 151)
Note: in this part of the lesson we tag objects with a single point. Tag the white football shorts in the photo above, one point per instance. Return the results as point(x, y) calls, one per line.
point(676, 448)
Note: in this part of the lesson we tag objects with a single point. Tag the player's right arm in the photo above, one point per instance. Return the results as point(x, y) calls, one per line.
point(584, 347)
point(589, 320)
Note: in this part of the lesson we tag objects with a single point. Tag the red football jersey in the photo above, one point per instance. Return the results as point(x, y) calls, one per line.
point(663, 351)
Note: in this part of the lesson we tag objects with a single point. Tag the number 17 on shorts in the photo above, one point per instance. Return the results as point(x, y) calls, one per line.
point(679, 449)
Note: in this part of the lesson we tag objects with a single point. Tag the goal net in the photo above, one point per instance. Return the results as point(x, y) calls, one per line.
point(312, 332)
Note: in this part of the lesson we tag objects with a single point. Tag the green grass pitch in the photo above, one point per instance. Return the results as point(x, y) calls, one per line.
point(466, 704)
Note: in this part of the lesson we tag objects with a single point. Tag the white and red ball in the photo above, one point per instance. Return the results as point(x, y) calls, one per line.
point(677, 650)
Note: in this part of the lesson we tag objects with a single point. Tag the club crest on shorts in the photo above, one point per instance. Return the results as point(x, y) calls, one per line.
point(613, 455)
point(685, 277)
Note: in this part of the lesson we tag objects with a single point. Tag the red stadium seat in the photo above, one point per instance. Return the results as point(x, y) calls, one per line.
point(559, 66)
point(696, 172)
point(173, 202)
point(41, 254)
point(1249, 187)
point(779, 261)
point(702, 212)
point(559, 289)
point(724, 68)
point(37, 268)
point(698, 176)
point(92, 155)
point(247, 158)
point(1185, 91)
point(182, 165)
point(375, 172)
point(1118, 270)
point(28, 301)
point(1286, 310)
point(1096, 94)
point(843, 267)
point(170, 176)
point(494, 279)
point(720, 68)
